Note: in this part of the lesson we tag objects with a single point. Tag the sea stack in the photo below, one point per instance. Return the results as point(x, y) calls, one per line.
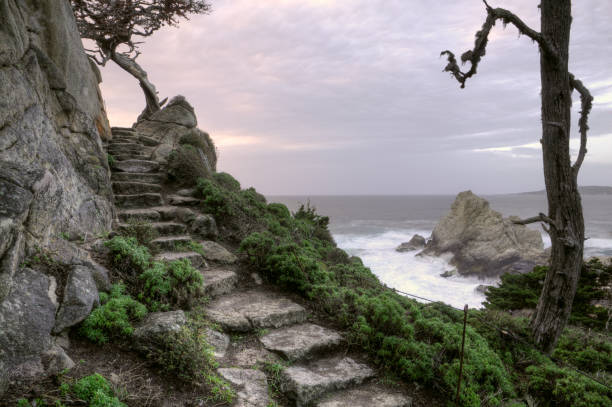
point(482, 242)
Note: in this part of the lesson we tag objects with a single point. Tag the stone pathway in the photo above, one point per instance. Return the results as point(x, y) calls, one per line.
point(264, 326)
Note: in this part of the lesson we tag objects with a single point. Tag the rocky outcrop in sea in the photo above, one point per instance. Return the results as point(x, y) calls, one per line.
point(480, 241)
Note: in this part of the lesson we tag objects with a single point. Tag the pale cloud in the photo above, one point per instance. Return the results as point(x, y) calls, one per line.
point(322, 96)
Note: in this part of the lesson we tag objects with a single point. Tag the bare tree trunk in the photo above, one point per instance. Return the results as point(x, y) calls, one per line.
point(564, 202)
point(131, 66)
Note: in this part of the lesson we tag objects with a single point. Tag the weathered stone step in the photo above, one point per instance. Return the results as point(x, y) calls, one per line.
point(138, 200)
point(149, 178)
point(219, 282)
point(163, 228)
point(142, 214)
point(115, 152)
point(306, 383)
point(255, 309)
point(131, 156)
point(170, 243)
point(195, 258)
point(136, 166)
point(125, 146)
point(369, 395)
point(301, 341)
point(182, 200)
point(130, 188)
point(251, 386)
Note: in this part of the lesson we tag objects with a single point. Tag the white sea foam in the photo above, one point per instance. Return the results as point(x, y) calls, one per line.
point(406, 272)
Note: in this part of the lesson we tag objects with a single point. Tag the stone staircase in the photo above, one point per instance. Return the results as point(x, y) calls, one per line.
point(265, 326)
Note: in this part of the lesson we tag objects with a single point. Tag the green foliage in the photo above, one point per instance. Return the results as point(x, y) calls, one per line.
point(128, 254)
point(589, 353)
point(412, 342)
point(187, 164)
point(226, 181)
point(518, 291)
point(141, 230)
point(111, 160)
point(96, 390)
point(170, 284)
point(114, 318)
point(555, 386)
point(186, 355)
point(217, 201)
point(202, 141)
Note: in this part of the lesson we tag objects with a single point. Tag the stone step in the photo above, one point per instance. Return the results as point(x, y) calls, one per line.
point(138, 200)
point(163, 228)
point(124, 148)
point(149, 178)
point(131, 156)
point(182, 200)
point(255, 309)
point(125, 144)
point(369, 395)
point(300, 341)
point(148, 141)
point(219, 282)
point(196, 260)
point(170, 243)
point(136, 166)
point(305, 383)
point(130, 188)
point(251, 386)
point(141, 214)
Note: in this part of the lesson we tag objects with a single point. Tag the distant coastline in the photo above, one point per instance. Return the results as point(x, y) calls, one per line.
point(586, 190)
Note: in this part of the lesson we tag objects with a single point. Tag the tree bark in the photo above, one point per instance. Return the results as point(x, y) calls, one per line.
point(564, 202)
point(132, 67)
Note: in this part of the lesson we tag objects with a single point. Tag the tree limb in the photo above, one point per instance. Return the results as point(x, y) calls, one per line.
point(482, 38)
point(586, 104)
point(539, 218)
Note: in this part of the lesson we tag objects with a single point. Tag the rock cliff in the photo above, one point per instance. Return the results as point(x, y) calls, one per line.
point(482, 242)
point(54, 176)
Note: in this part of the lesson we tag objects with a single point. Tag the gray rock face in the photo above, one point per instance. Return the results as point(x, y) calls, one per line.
point(300, 341)
point(307, 383)
point(215, 252)
point(27, 316)
point(371, 395)
point(417, 242)
point(53, 169)
point(219, 341)
point(174, 125)
point(159, 324)
point(251, 386)
point(482, 242)
point(204, 226)
point(80, 296)
point(247, 311)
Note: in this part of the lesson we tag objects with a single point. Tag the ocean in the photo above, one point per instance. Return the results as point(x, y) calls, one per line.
point(371, 227)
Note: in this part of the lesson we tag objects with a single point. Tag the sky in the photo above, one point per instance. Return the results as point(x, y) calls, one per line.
point(344, 97)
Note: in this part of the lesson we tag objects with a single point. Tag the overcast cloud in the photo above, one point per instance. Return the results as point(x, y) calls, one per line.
point(348, 96)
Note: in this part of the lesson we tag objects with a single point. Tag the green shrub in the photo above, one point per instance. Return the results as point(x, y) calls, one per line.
point(204, 142)
point(114, 318)
point(226, 181)
point(558, 387)
point(141, 230)
point(216, 200)
point(518, 291)
point(111, 160)
point(127, 254)
point(187, 164)
point(96, 391)
point(174, 284)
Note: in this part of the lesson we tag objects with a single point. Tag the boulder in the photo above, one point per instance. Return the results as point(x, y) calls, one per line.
point(215, 252)
point(158, 325)
point(204, 226)
point(417, 242)
point(251, 386)
point(80, 296)
point(27, 316)
point(481, 242)
point(176, 125)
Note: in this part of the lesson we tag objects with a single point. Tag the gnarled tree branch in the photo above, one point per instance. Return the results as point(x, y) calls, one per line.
point(586, 101)
point(539, 218)
point(482, 38)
